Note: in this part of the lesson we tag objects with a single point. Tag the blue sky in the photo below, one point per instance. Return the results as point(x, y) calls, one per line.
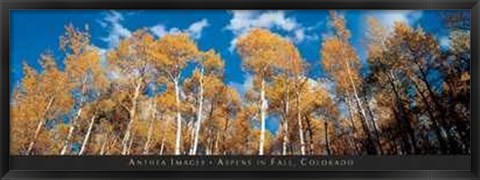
point(34, 31)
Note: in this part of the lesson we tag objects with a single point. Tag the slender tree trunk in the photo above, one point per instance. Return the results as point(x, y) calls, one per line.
point(216, 144)
point(130, 144)
point(374, 124)
point(199, 115)
point(224, 134)
point(41, 123)
point(104, 144)
point(149, 138)
point(179, 118)
point(285, 137)
point(360, 106)
point(209, 138)
point(66, 144)
point(191, 127)
point(300, 125)
point(354, 128)
point(327, 143)
point(162, 146)
point(408, 137)
point(87, 136)
point(370, 145)
point(438, 128)
point(285, 120)
point(310, 135)
point(153, 112)
point(132, 113)
point(439, 108)
point(263, 114)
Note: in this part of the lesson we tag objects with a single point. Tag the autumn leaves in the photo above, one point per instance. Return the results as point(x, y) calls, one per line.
point(164, 96)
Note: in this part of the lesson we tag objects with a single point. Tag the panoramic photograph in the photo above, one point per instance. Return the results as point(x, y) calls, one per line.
point(240, 82)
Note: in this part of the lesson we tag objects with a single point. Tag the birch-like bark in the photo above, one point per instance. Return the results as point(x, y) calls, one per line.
point(87, 136)
point(133, 111)
point(199, 115)
point(354, 128)
point(162, 146)
point(355, 93)
point(179, 118)
point(40, 125)
point(70, 132)
point(130, 144)
point(104, 144)
point(66, 143)
point(285, 138)
point(327, 143)
point(149, 137)
point(356, 96)
point(285, 121)
point(300, 125)
point(263, 112)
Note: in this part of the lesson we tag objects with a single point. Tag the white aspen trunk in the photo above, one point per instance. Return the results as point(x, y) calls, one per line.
point(150, 127)
point(133, 111)
point(300, 126)
point(263, 112)
point(39, 126)
point(74, 120)
point(70, 132)
point(357, 98)
point(179, 119)
point(208, 151)
point(215, 150)
point(130, 146)
point(162, 146)
point(199, 115)
point(149, 138)
point(299, 120)
point(104, 144)
point(355, 93)
point(192, 134)
point(285, 123)
point(87, 136)
point(350, 110)
point(285, 138)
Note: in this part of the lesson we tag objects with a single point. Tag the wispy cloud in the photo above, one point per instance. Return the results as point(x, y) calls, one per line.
point(195, 29)
point(244, 20)
point(243, 87)
point(445, 42)
point(407, 16)
point(112, 21)
point(159, 30)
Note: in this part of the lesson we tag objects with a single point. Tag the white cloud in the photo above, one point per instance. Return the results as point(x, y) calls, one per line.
point(245, 20)
point(444, 42)
point(243, 87)
point(389, 18)
point(112, 21)
point(159, 30)
point(116, 31)
point(300, 34)
point(195, 29)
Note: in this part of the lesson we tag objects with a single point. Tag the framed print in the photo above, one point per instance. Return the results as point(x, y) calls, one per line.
point(239, 89)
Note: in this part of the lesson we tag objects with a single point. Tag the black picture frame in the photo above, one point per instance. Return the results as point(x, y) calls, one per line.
point(6, 172)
